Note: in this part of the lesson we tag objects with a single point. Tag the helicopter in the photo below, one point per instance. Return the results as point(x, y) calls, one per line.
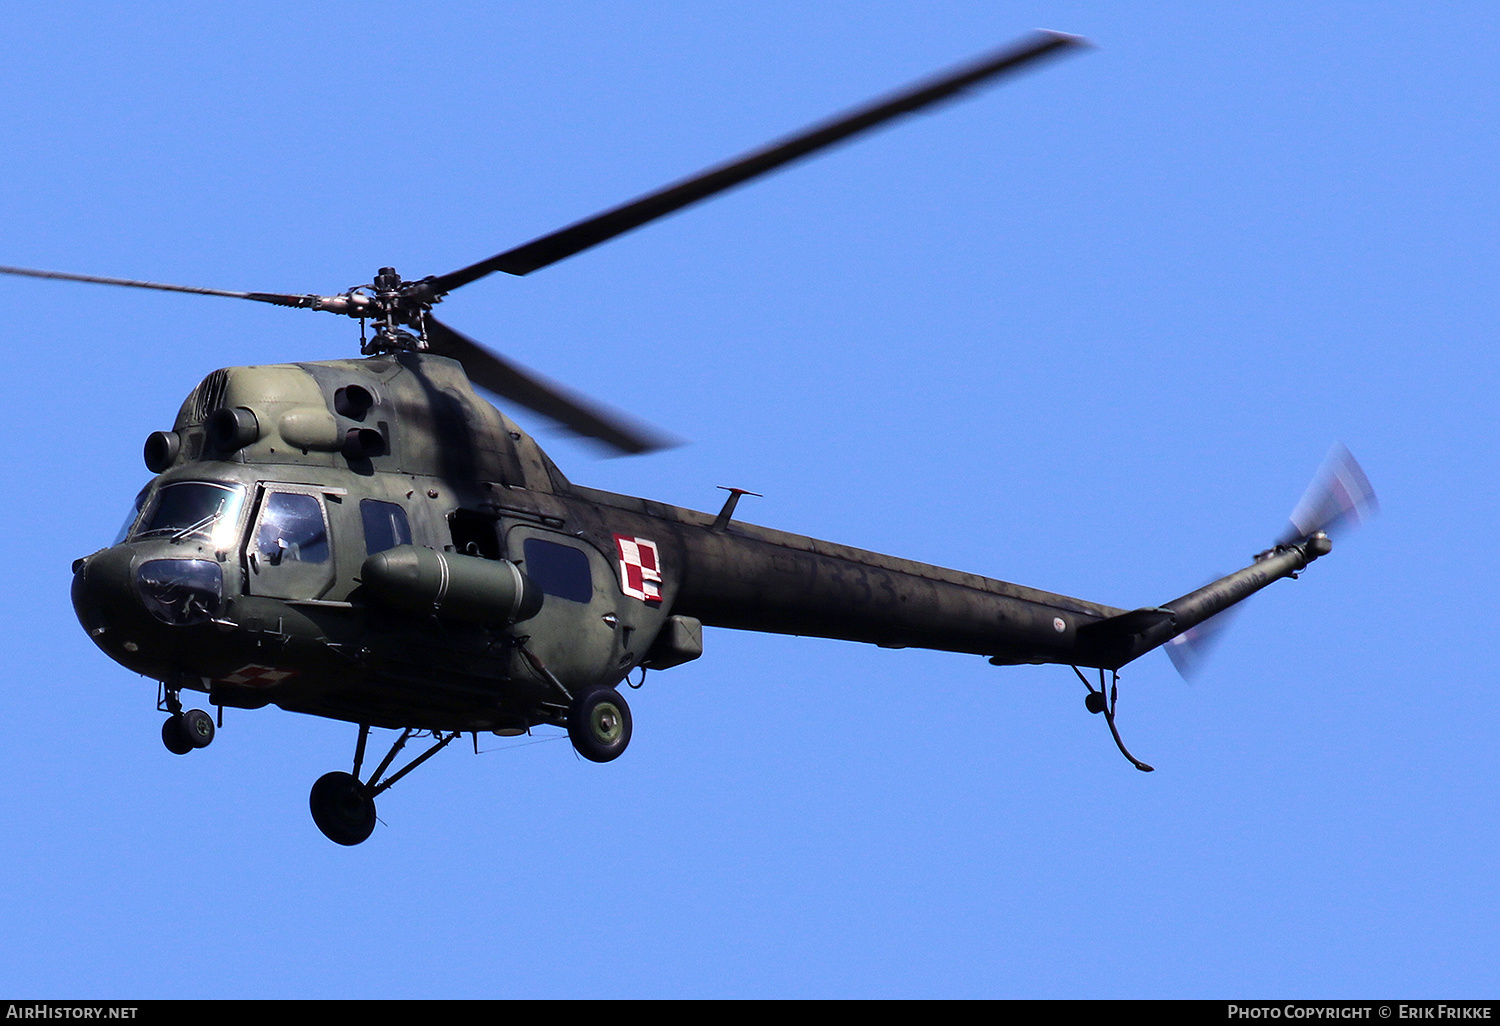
point(370, 540)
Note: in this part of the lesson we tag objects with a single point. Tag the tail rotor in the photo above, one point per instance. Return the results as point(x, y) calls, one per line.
point(1338, 499)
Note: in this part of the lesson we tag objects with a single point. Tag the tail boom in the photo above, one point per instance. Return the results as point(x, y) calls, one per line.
point(743, 577)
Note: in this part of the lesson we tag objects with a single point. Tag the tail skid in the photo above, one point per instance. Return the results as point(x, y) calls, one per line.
point(1098, 702)
point(1339, 496)
point(1111, 643)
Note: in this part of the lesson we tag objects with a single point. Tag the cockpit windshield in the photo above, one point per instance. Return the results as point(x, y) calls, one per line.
point(194, 509)
point(135, 514)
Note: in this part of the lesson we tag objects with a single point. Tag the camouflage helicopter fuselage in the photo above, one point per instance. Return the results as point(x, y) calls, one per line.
point(369, 540)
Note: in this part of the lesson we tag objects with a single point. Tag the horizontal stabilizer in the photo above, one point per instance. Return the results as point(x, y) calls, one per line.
point(1109, 641)
point(1126, 625)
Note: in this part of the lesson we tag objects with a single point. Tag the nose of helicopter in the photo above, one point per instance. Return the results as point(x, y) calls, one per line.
point(101, 591)
point(129, 602)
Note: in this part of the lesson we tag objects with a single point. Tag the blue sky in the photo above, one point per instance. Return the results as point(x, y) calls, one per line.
point(1091, 331)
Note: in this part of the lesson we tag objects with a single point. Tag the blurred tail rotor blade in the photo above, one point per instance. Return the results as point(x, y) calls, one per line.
point(1339, 497)
point(526, 388)
point(1191, 649)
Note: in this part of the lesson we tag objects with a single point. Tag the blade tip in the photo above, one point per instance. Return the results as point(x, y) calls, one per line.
point(642, 446)
point(1068, 39)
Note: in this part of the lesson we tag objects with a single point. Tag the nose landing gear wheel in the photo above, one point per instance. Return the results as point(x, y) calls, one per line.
point(199, 728)
point(599, 724)
point(175, 736)
point(185, 731)
point(342, 808)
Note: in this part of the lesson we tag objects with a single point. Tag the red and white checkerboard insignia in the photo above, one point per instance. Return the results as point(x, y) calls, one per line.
point(640, 568)
point(258, 676)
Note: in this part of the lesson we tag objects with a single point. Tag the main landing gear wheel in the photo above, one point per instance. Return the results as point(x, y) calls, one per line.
point(599, 724)
point(187, 730)
point(342, 808)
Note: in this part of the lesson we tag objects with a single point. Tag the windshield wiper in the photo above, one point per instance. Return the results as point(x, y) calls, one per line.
point(195, 528)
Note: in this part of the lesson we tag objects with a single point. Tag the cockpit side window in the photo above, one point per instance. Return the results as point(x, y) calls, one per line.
point(292, 529)
point(386, 525)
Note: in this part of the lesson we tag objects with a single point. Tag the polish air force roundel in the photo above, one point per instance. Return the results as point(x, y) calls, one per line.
point(640, 568)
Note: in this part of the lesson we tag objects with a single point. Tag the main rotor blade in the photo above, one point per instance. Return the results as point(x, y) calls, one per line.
point(551, 248)
point(278, 298)
point(526, 388)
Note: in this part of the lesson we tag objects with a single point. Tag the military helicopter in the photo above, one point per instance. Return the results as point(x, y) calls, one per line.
point(371, 541)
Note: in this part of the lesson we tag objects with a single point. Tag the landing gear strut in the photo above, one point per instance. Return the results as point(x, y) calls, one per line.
point(598, 719)
point(343, 807)
point(1099, 702)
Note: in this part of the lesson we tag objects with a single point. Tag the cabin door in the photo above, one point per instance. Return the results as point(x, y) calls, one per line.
point(576, 634)
point(288, 553)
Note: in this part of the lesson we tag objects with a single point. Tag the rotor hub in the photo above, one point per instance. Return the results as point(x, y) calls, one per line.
point(394, 305)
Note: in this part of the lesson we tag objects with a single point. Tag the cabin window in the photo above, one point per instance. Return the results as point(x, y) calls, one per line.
point(559, 570)
point(292, 529)
point(194, 509)
point(385, 525)
point(474, 534)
